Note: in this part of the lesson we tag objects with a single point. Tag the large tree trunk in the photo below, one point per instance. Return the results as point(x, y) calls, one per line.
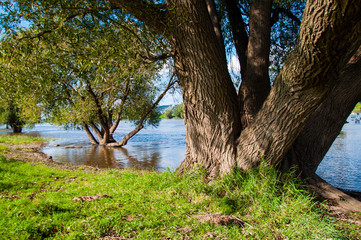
point(210, 101)
point(321, 130)
point(211, 107)
point(326, 123)
point(330, 34)
point(256, 84)
point(16, 128)
point(327, 41)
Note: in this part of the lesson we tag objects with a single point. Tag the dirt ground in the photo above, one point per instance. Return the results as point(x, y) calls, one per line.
point(31, 153)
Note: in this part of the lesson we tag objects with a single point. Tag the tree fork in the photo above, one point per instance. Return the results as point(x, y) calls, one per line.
point(304, 80)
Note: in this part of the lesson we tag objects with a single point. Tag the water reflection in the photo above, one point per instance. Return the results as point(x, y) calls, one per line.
point(104, 157)
point(152, 148)
point(147, 162)
point(101, 157)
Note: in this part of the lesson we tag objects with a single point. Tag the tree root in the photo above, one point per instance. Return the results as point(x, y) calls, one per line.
point(336, 198)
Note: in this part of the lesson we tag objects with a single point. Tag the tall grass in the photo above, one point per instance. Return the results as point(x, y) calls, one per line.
point(275, 204)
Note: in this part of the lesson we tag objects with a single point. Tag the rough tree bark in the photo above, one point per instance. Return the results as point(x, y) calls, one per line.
point(327, 121)
point(256, 85)
point(211, 107)
point(321, 130)
point(327, 41)
point(329, 35)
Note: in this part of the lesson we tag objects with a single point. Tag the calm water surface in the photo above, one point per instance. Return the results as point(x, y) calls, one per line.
point(341, 166)
point(164, 147)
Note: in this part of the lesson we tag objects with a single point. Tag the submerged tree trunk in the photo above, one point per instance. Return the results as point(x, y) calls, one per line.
point(89, 134)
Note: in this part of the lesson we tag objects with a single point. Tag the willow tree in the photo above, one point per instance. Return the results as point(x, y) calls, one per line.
point(89, 73)
point(217, 138)
point(18, 105)
point(228, 127)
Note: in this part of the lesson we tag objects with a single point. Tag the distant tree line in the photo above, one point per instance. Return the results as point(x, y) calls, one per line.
point(174, 112)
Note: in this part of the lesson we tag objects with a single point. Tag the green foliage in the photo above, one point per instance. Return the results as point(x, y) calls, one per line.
point(168, 113)
point(175, 112)
point(357, 108)
point(11, 116)
point(178, 111)
point(77, 62)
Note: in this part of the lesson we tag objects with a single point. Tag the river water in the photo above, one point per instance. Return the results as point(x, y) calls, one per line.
point(164, 147)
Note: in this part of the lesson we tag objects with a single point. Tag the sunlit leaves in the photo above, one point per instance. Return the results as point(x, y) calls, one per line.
point(76, 57)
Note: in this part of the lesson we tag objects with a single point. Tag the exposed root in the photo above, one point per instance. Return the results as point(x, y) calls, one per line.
point(335, 197)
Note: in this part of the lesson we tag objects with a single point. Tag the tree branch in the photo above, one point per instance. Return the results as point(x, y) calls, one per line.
point(70, 17)
point(240, 36)
point(211, 6)
point(286, 12)
point(151, 57)
point(153, 15)
point(140, 126)
point(120, 109)
point(100, 115)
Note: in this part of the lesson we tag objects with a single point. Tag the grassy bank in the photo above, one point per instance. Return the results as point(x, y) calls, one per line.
point(40, 201)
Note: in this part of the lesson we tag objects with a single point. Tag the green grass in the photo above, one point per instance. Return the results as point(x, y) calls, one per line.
point(19, 139)
point(36, 203)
